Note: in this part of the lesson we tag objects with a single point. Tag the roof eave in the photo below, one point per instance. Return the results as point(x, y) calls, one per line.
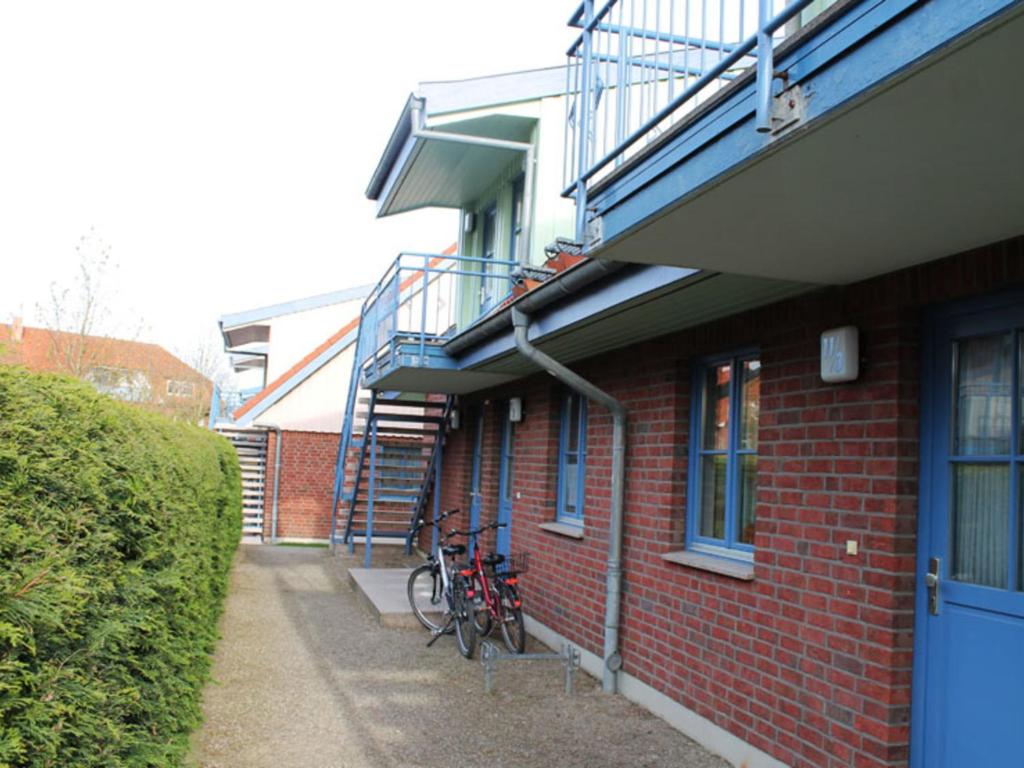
point(399, 136)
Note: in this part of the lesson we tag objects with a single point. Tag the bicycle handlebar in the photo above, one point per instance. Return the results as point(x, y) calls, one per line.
point(437, 523)
point(478, 531)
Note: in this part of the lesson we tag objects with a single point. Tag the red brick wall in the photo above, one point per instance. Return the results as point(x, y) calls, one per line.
point(811, 661)
point(307, 484)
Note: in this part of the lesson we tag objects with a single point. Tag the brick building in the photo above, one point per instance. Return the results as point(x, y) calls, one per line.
point(288, 418)
point(803, 299)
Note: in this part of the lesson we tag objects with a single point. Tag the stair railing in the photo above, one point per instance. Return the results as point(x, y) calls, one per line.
point(428, 476)
point(368, 445)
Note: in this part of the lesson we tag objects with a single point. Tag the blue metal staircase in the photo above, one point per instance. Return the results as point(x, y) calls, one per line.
point(389, 471)
point(389, 449)
point(389, 455)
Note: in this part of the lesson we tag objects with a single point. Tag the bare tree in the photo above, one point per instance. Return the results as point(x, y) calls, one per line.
point(207, 357)
point(79, 312)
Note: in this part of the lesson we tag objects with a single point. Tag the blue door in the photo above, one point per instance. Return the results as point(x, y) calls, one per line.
point(475, 497)
point(968, 706)
point(505, 484)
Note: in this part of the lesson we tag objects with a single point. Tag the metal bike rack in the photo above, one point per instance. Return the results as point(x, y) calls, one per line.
point(490, 656)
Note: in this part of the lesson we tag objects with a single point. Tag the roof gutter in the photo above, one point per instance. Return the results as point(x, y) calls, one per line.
point(613, 576)
point(566, 284)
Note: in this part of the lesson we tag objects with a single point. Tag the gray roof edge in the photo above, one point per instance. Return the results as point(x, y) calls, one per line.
point(444, 96)
point(399, 135)
point(236, 319)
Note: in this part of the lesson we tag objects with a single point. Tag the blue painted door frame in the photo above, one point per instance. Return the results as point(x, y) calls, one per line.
point(475, 496)
point(505, 484)
point(968, 695)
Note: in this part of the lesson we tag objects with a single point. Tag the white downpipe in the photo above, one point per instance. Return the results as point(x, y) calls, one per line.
point(277, 477)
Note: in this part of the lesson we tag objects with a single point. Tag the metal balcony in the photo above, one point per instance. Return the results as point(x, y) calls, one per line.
point(422, 301)
point(821, 142)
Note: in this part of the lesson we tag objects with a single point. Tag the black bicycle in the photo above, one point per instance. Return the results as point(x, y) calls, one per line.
point(440, 592)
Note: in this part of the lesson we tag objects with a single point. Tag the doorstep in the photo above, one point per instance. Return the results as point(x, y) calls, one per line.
point(383, 591)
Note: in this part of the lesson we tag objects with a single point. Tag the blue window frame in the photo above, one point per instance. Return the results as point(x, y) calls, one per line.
point(723, 455)
point(516, 230)
point(488, 250)
point(572, 458)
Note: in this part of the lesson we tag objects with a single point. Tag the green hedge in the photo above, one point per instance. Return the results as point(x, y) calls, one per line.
point(117, 529)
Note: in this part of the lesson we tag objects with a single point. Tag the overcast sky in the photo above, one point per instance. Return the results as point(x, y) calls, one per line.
point(222, 148)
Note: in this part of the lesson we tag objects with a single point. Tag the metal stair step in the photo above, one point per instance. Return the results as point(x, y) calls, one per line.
point(407, 418)
point(405, 403)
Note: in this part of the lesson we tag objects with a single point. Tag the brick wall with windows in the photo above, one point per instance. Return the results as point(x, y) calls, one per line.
point(307, 485)
point(810, 659)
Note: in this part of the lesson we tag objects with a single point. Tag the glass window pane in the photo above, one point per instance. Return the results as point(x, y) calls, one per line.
point(981, 514)
point(573, 422)
point(983, 382)
point(570, 488)
point(748, 499)
point(751, 404)
point(716, 408)
point(712, 497)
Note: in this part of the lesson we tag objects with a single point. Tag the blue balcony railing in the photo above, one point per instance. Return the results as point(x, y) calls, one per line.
point(422, 300)
point(640, 66)
point(224, 403)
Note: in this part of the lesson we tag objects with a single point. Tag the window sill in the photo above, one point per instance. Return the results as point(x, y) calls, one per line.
point(563, 529)
point(734, 569)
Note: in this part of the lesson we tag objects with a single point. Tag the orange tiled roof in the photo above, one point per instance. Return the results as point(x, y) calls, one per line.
point(43, 350)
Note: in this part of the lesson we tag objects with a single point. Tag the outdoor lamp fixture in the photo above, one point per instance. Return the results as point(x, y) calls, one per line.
point(840, 355)
point(453, 418)
point(515, 409)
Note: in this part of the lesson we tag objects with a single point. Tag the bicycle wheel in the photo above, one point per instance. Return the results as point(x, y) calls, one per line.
point(513, 630)
point(465, 629)
point(481, 612)
point(426, 596)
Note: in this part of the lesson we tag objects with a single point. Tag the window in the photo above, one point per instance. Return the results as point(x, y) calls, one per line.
point(181, 388)
point(132, 386)
point(489, 283)
point(572, 454)
point(517, 220)
point(723, 456)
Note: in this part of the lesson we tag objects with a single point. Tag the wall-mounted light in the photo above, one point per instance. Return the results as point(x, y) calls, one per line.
point(840, 355)
point(453, 418)
point(468, 222)
point(515, 409)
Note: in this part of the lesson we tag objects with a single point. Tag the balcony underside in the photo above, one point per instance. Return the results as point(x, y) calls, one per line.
point(625, 310)
point(910, 150)
point(432, 172)
point(632, 306)
point(406, 366)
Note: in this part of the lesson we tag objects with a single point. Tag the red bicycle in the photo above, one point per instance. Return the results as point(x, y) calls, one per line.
point(493, 587)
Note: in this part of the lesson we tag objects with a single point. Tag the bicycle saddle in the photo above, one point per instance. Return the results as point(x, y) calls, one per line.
point(454, 549)
point(493, 558)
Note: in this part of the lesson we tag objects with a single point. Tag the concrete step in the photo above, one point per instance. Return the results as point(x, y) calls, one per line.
point(383, 592)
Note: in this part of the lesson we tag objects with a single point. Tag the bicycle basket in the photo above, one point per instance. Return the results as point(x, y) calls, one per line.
point(515, 563)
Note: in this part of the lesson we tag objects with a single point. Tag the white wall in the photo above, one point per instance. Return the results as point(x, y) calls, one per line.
point(293, 336)
point(318, 403)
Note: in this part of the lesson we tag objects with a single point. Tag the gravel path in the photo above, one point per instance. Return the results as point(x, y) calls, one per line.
point(304, 677)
